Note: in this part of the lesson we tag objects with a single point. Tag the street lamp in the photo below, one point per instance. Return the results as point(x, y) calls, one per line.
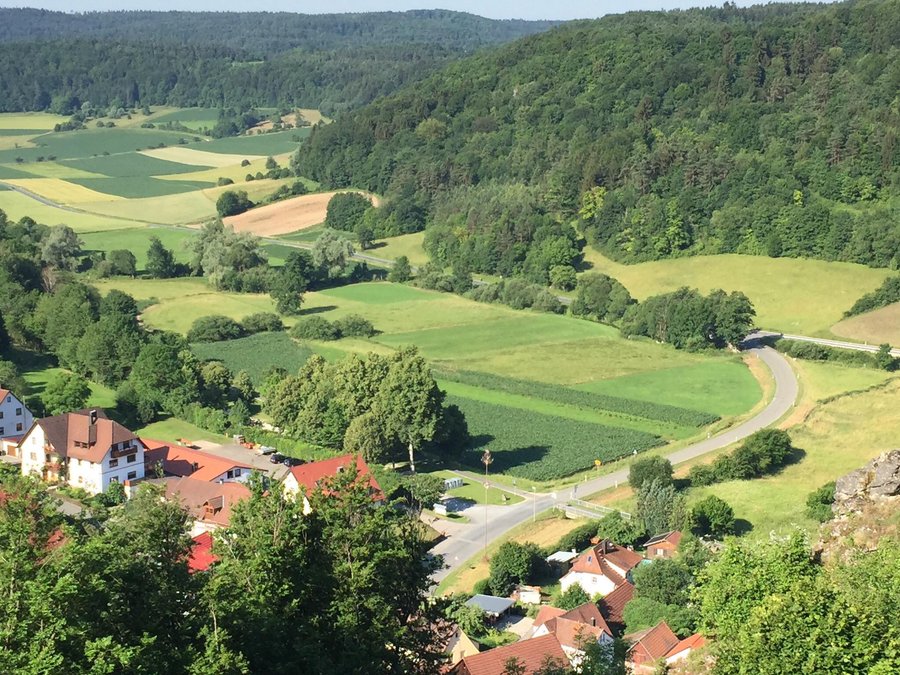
point(486, 459)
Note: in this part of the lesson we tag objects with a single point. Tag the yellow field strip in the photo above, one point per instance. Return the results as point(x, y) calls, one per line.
point(60, 191)
point(198, 157)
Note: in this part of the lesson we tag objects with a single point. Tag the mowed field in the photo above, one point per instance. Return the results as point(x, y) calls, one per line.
point(556, 430)
point(790, 295)
point(875, 327)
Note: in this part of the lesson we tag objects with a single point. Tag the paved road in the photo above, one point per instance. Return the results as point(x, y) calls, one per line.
point(839, 344)
point(458, 549)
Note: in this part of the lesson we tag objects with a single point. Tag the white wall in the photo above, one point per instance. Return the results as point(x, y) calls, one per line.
point(32, 452)
point(14, 424)
point(591, 583)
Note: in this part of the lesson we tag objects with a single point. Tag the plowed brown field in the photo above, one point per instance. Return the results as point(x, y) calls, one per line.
point(290, 215)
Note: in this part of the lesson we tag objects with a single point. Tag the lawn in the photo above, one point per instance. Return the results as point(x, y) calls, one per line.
point(137, 240)
point(475, 492)
point(256, 353)
point(172, 429)
point(101, 397)
point(790, 295)
point(875, 327)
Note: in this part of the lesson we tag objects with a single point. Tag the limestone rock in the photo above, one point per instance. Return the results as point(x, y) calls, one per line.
point(877, 480)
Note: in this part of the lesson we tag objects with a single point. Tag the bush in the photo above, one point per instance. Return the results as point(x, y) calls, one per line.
point(353, 325)
point(515, 564)
point(815, 352)
point(579, 538)
point(214, 328)
point(649, 469)
point(232, 203)
point(761, 453)
point(224, 181)
point(713, 516)
point(262, 322)
point(818, 503)
point(315, 328)
point(886, 294)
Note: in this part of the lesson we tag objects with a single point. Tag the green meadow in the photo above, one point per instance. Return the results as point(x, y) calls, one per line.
point(137, 240)
point(546, 430)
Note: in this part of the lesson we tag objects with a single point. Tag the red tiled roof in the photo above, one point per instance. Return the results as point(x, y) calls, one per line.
point(4, 392)
point(545, 613)
point(574, 634)
point(178, 460)
point(531, 655)
point(651, 644)
point(591, 561)
point(201, 553)
point(207, 502)
point(691, 642)
point(69, 432)
point(309, 475)
point(588, 614)
point(612, 606)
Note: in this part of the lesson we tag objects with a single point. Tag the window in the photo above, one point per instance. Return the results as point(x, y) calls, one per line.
point(18, 426)
point(132, 475)
point(2, 430)
point(18, 411)
point(114, 479)
point(230, 473)
point(132, 458)
point(237, 473)
point(33, 456)
point(113, 463)
point(1, 414)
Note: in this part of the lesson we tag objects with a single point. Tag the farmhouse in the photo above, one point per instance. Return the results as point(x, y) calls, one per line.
point(178, 460)
point(84, 449)
point(612, 606)
point(15, 420)
point(307, 478)
point(601, 568)
point(663, 545)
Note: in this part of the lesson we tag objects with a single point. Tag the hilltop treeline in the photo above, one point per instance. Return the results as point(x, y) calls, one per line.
point(55, 61)
point(770, 130)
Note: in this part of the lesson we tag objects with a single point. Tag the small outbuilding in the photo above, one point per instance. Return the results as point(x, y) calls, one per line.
point(493, 606)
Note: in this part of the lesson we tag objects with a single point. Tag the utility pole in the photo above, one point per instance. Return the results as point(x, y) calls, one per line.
point(533, 504)
point(486, 459)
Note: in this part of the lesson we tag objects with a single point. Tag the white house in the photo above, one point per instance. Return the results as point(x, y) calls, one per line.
point(15, 420)
point(84, 449)
point(574, 629)
point(601, 568)
point(307, 478)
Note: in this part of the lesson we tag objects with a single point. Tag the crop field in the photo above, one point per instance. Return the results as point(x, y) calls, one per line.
point(780, 288)
point(256, 353)
point(197, 155)
point(58, 190)
point(91, 142)
point(875, 327)
point(52, 170)
point(17, 206)
point(139, 187)
point(235, 172)
point(128, 164)
point(285, 216)
point(259, 144)
point(531, 414)
point(39, 121)
point(11, 172)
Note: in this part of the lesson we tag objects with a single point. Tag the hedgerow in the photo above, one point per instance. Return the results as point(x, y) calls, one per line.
point(582, 399)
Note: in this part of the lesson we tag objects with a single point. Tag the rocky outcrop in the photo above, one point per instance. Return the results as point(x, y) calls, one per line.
point(878, 480)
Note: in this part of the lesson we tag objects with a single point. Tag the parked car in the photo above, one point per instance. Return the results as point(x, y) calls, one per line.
point(276, 458)
point(265, 450)
point(293, 461)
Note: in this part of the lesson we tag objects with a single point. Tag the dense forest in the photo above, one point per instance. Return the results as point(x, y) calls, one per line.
point(771, 130)
point(56, 61)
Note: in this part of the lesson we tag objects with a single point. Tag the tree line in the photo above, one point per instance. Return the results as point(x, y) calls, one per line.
point(748, 130)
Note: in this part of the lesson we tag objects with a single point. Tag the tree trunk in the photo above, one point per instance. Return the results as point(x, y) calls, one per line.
point(412, 461)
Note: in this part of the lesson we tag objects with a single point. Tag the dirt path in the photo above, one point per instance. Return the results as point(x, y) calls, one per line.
point(289, 215)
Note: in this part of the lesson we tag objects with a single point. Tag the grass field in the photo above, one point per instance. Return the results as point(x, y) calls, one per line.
point(137, 240)
point(259, 144)
point(172, 429)
point(543, 434)
point(101, 397)
point(126, 165)
point(875, 327)
point(256, 353)
point(138, 187)
point(193, 118)
point(62, 191)
point(34, 120)
point(476, 492)
point(409, 245)
point(790, 295)
point(18, 206)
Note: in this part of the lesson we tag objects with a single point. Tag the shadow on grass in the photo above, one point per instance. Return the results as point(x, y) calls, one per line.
point(742, 527)
point(317, 310)
point(504, 460)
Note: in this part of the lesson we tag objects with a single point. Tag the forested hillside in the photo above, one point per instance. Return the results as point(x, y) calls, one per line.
point(771, 130)
point(57, 61)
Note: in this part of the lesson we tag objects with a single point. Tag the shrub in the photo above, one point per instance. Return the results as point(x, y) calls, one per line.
point(245, 162)
point(763, 452)
point(214, 328)
point(818, 503)
point(579, 538)
point(713, 516)
point(515, 564)
point(232, 203)
point(315, 328)
point(354, 325)
point(224, 181)
point(262, 322)
point(886, 294)
point(649, 469)
point(574, 597)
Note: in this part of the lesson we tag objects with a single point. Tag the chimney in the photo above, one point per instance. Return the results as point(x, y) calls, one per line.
point(194, 467)
point(603, 543)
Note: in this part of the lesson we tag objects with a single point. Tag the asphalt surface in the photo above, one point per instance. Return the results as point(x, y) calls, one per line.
point(458, 548)
point(839, 344)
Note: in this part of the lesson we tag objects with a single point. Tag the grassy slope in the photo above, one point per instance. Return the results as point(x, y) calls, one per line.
point(790, 295)
point(137, 240)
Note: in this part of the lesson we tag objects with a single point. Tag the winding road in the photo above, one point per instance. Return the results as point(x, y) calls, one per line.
point(489, 523)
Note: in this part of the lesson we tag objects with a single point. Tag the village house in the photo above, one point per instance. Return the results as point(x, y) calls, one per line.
point(663, 545)
point(528, 655)
point(307, 478)
point(170, 459)
point(84, 449)
point(612, 606)
point(651, 647)
point(601, 568)
point(209, 504)
point(574, 629)
point(15, 420)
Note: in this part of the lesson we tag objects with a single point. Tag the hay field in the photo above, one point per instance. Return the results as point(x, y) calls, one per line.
point(18, 206)
point(194, 157)
point(32, 120)
point(875, 327)
point(791, 295)
point(283, 217)
point(58, 190)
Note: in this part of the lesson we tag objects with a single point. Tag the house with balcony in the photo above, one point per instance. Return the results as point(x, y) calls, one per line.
point(84, 449)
